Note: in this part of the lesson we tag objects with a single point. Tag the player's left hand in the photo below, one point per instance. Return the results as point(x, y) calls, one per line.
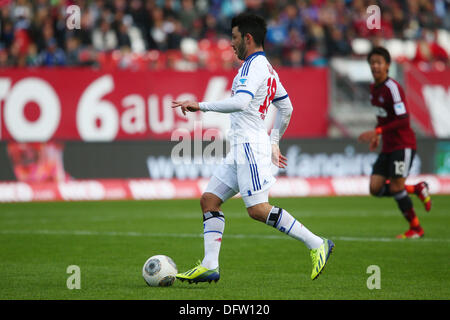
point(367, 136)
point(191, 106)
point(277, 158)
point(374, 143)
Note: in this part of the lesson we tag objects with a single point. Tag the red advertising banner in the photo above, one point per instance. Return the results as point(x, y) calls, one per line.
point(151, 189)
point(38, 105)
point(428, 95)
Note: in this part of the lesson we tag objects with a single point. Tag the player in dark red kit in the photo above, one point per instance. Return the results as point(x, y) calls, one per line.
point(399, 143)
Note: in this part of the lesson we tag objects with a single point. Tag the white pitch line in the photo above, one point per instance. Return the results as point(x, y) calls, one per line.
point(196, 235)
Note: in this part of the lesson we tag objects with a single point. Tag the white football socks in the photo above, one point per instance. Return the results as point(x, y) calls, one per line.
point(213, 226)
point(285, 222)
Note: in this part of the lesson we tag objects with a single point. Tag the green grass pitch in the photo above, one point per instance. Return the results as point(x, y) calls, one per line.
point(110, 241)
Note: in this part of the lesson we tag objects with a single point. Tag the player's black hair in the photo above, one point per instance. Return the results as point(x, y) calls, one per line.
point(380, 51)
point(252, 24)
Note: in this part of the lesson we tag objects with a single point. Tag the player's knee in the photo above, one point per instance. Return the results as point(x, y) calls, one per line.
point(375, 190)
point(395, 187)
point(377, 185)
point(210, 202)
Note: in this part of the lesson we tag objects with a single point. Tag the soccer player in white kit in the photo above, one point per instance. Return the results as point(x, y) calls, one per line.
point(247, 167)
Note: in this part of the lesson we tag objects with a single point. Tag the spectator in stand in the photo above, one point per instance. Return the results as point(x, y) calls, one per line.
point(277, 32)
point(211, 27)
point(399, 22)
point(197, 29)
point(296, 58)
point(32, 59)
point(359, 19)
point(7, 33)
point(4, 58)
point(52, 55)
point(44, 34)
point(175, 34)
point(123, 38)
point(386, 30)
point(311, 10)
point(429, 54)
point(169, 9)
point(73, 51)
point(337, 44)
point(160, 29)
point(427, 17)
point(103, 37)
point(444, 13)
point(315, 47)
point(310, 31)
point(22, 9)
point(188, 15)
point(295, 40)
point(291, 18)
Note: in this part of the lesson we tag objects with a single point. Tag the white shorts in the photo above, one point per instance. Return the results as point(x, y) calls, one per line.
point(247, 169)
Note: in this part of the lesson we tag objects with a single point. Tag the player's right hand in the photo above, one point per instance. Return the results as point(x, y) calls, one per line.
point(191, 106)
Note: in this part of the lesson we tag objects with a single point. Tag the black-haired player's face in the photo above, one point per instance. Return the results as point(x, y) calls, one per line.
point(238, 43)
point(379, 67)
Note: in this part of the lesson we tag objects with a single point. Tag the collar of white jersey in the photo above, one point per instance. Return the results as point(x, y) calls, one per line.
point(257, 53)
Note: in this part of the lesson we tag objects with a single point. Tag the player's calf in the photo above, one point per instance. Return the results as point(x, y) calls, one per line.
point(260, 211)
point(213, 228)
point(405, 205)
point(283, 221)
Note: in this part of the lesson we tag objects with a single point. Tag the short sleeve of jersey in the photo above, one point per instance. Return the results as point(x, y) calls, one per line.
point(281, 93)
point(250, 77)
point(397, 102)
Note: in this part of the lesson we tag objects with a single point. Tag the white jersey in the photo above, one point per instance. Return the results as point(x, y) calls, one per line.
point(257, 78)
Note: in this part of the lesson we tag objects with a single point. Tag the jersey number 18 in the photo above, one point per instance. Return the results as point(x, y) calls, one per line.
point(271, 90)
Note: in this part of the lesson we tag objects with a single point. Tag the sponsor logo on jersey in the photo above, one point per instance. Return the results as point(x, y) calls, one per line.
point(399, 108)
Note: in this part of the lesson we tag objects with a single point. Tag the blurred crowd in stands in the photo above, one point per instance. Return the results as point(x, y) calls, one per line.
point(195, 34)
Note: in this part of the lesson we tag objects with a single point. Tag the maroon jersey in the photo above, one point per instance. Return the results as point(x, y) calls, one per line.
point(392, 115)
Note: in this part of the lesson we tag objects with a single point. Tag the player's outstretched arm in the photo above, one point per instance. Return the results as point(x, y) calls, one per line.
point(236, 103)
